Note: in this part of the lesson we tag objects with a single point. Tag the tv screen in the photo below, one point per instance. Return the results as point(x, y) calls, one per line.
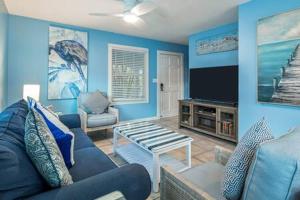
point(214, 84)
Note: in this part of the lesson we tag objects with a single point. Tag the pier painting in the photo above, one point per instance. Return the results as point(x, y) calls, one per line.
point(278, 40)
point(219, 43)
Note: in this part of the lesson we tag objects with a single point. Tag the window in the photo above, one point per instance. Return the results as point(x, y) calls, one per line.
point(128, 74)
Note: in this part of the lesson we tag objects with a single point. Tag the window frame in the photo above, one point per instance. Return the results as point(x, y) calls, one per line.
point(146, 73)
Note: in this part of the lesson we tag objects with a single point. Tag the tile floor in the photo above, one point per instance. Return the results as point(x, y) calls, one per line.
point(202, 146)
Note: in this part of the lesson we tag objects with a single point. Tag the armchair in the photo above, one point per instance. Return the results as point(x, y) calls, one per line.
point(95, 112)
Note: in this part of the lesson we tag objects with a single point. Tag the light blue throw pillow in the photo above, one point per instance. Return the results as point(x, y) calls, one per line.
point(94, 102)
point(44, 152)
point(237, 167)
point(275, 170)
point(63, 136)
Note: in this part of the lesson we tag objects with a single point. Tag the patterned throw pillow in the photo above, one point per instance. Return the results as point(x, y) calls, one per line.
point(237, 167)
point(63, 136)
point(44, 152)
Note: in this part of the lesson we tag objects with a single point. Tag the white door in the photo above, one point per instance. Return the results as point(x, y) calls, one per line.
point(170, 83)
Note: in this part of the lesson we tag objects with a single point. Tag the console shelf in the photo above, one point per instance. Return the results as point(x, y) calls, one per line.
point(212, 118)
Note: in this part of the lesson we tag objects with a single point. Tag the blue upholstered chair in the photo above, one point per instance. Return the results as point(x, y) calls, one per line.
point(95, 111)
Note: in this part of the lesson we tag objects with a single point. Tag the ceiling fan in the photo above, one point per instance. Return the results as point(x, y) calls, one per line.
point(133, 10)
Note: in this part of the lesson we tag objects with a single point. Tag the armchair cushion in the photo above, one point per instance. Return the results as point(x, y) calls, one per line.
point(274, 173)
point(208, 177)
point(93, 102)
point(104, 119)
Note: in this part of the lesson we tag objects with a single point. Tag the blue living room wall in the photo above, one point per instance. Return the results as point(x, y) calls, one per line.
point(215, 59)
point(3, 53)
point(281, 118)
point(28, 61)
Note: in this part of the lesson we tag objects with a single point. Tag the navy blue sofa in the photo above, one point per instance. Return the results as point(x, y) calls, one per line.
point(94, 174)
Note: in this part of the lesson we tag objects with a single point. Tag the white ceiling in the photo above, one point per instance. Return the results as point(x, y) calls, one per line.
point(172, 21)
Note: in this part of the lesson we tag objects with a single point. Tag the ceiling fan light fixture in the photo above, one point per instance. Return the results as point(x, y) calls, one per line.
point(130, 18)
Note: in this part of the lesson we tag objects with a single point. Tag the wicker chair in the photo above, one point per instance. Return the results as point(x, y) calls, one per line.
point(96, 122)
point(177, 186)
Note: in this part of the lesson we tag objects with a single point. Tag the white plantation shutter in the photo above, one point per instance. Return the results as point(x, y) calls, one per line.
point(129, 74)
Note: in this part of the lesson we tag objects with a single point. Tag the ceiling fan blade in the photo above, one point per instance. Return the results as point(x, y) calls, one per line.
point(143, 8)
point(106, 14)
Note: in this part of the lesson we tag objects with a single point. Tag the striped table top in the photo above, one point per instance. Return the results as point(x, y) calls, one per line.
point(150, 136)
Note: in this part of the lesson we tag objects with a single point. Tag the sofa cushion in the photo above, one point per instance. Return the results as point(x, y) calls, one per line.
point(207, 177)
point(24, 179)
point(238, 164)
point(63, 136)
point(12, 121)
point(81, 139)
point(44, 152)
point(94, 102)
point(275, 172)
point(89, 162)
point(103, 119)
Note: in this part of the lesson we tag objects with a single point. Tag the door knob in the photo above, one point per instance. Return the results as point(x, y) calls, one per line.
point(161, 87)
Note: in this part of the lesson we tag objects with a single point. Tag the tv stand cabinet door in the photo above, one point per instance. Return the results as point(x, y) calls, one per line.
point(227, 122)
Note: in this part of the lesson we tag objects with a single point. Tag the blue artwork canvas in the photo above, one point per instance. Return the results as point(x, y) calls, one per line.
point(68, 63)
point(218, 43)
point(278, 40)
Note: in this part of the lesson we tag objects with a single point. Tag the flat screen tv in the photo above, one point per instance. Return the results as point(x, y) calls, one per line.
point(215, 84)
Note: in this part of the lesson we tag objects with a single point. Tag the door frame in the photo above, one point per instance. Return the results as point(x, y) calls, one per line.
point(160, 52)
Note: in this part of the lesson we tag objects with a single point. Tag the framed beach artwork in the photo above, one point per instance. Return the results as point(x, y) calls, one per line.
point(68, 63)
point(218, 43)
point(278, 40)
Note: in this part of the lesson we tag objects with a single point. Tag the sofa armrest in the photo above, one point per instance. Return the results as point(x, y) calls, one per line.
point(83, 118)
point(222, 155)
point(70, 120)
point(114, 111)
point(132, 180)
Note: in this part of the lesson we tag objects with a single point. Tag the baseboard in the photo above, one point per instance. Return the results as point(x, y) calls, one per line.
point(141, 119)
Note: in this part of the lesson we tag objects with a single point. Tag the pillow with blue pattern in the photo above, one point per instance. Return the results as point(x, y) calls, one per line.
point(63, 136)
point(238, 164)
point(44, 152)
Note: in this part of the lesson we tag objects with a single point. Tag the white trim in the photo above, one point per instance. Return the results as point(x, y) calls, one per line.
point(128, 48)
point(140, 120)
point(159, 52)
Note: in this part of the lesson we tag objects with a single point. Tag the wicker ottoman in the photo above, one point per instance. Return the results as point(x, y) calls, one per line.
point(198, 183)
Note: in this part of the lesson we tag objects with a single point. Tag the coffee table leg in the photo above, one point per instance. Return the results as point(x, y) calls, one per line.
point(115, 142)
point(188, 154)
point(156, 173)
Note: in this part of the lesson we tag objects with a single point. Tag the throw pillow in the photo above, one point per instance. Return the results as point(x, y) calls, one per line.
point(274, 172)
point(94, 102)
point(237, 167)
point(63, 136)
point(44, 152)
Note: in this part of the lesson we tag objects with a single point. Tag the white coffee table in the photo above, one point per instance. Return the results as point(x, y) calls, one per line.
point(148, 146)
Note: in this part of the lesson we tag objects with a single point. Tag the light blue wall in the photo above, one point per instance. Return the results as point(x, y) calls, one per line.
point(3, 54)
point(216, 59)
point(28, 61)
point(281, 117)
